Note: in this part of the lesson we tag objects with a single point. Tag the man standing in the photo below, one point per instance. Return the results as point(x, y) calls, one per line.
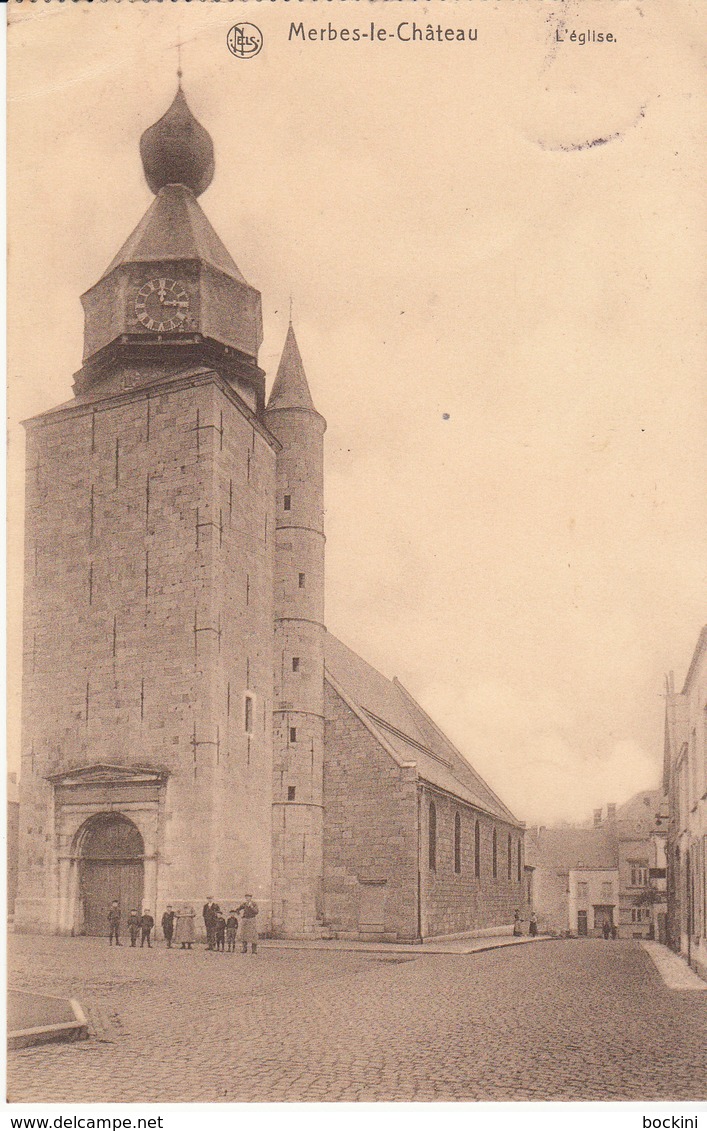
point(168, 927)
point(249, 930)
point(114, 923)
point(211, 912)
point(146, 923)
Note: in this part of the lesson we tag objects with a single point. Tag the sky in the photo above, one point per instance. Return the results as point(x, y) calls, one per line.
point(495, 252)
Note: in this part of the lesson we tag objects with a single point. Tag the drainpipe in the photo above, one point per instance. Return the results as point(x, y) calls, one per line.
point(688, 900)
point(419, 871)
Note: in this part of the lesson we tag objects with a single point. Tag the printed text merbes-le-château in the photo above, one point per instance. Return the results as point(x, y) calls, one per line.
point(405, 32)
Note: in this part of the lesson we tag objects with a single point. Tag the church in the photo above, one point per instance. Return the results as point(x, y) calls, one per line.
point(190, 728)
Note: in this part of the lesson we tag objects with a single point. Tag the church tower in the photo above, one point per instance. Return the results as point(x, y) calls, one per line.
point(298, 731)
point(149, 586)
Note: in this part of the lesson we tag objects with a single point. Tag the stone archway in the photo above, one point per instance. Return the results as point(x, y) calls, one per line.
point(111, 866)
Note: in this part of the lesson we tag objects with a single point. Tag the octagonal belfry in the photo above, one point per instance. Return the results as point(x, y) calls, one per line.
point(200, 309)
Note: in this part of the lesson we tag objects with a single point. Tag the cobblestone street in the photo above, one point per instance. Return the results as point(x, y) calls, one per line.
point(563, 1020)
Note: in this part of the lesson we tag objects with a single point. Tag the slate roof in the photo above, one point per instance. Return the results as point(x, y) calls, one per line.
point(644, 813)
point(399, 723)
point(175, 227)
point(700, 647)
point(562, 849)
point(290, 389)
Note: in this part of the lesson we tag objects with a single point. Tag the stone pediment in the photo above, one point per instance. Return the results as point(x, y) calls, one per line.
point(110, 775)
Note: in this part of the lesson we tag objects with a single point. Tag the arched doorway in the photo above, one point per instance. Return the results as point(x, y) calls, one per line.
point(110, 867)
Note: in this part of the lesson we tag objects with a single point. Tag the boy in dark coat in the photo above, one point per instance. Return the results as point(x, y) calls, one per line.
point(220, 932)
point(146, 923)
point(133, 926)
point(114, 923)
point(231, 930)
point(168, 927)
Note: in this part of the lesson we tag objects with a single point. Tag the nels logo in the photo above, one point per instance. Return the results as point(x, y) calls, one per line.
point(244, 40)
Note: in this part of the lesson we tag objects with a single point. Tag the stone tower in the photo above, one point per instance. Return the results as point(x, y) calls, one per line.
point(149, 588)
point(298, 731)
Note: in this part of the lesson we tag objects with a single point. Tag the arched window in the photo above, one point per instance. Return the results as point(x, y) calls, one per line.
point(494, 854)
point(432, 837)
point(510, 857)
point(477, 850)
point(457, 843)
point(520, 860)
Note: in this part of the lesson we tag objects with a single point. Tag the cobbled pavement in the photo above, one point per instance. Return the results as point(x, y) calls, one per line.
point(564, 1020)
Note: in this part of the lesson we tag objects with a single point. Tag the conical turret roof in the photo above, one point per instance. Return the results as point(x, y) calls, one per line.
point(177, 150)
point(290, 389)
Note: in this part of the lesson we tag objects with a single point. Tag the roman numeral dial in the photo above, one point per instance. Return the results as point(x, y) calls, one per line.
point(161, 305)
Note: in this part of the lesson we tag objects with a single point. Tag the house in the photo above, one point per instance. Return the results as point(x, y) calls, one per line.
point(685, 781)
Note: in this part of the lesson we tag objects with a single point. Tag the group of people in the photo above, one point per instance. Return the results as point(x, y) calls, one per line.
point(178, 926)
point(222, 932)
point(518, 924)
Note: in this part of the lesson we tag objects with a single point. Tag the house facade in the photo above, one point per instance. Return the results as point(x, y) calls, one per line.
point(593, 900)
point(685, 778)
point(614, 870)
point(642, 833)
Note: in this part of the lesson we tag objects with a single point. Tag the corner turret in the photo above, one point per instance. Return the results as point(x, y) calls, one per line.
point(298, 716)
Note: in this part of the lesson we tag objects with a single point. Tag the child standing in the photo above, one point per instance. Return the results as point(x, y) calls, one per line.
point(231, 930)
point(220, 932)
point(133, 926)
point(168, 926)
point(114, 923)
point(146, 923)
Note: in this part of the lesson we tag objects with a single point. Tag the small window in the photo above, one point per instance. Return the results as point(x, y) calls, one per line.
point(457, 843)
point(639, 874)
point(293, 734)
point(301, 581)
point(287, 503)
point(510, 856)
point(295, 663)
point(494, 854)
point(520, 861)
point(477, 850)
point(248, 714)
point(290, 793)
point(432, 837)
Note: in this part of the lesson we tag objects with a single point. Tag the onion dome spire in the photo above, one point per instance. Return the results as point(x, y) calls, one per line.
point(177, 150)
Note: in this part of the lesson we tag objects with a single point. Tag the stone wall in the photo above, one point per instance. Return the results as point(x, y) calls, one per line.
point(370, 830)
point(148, 614)
point(298, 719)
point(458, 901)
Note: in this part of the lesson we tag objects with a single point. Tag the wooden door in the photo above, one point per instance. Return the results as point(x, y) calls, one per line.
point(101, 883)
point(111, 868)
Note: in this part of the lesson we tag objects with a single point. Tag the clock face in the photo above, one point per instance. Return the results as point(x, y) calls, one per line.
point(161, 305)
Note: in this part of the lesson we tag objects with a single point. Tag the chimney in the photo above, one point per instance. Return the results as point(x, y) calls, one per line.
point(610, 813)
point(597, 818)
